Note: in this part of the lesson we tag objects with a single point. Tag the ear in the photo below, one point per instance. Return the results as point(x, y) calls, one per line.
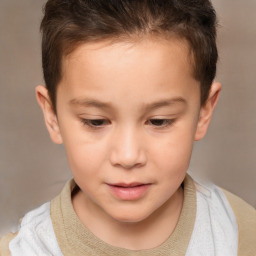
point(206, 111)
point(50, 117)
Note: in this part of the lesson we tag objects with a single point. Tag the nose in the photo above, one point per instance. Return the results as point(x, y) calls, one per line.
point(128, 150)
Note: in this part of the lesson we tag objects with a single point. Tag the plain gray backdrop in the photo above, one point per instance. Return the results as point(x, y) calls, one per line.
point(33, 170)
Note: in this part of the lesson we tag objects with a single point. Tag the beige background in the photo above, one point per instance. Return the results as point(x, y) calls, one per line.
point(33, 170)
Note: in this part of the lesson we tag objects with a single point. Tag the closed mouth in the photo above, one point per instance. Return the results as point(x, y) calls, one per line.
point(131, 191)
point(128, 185)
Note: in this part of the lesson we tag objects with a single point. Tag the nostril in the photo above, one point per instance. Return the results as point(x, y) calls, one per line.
point(129, 166)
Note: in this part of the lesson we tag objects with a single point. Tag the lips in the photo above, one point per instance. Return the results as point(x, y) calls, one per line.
point(128, 185)
point(129, 191)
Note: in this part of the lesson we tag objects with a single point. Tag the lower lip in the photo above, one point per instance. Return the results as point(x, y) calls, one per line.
point(129, 193)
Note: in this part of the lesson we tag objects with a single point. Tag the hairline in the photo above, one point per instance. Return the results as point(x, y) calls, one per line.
point(131, 39)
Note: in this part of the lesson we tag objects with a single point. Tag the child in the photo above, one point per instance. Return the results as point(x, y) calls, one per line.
point(129, 88)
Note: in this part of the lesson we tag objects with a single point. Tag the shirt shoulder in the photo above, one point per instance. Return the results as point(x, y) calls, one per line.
point(240, 213)
point(4, 243)
point(215, 231)
point(246, 219)
point(35, 236)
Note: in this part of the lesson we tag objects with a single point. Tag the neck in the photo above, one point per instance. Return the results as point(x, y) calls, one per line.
point(146, 234)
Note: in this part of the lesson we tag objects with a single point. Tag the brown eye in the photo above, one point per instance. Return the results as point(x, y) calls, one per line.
point(95, 123)
point(161, 122)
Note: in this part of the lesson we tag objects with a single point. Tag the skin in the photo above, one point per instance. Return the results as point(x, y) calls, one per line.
point(129, 112)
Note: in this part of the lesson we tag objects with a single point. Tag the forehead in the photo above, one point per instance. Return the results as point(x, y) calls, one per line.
point(144, 66)
point(131, 44)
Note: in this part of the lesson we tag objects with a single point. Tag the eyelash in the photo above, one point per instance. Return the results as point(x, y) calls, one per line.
point(164, 123)
point(89, 123)
point(99, 123)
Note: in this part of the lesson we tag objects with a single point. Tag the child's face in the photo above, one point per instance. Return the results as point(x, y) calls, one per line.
point(128, 114)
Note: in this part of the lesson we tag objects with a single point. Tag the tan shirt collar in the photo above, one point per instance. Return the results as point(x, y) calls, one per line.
point(75, 239)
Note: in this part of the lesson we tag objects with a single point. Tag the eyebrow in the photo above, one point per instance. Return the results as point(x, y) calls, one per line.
point(164, 103)
point(90, 103)
point(147, 106)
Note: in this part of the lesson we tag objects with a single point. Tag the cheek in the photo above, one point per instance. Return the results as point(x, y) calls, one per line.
point(174, 153)
point(84, 155)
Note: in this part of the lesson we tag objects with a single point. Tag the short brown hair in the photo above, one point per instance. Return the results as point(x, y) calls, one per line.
point(68, 23)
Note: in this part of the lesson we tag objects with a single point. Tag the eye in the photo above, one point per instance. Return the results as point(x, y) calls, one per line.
point(95, 123)
point(160, 122)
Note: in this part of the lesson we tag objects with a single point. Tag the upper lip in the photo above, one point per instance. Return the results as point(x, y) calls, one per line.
point(128, 185)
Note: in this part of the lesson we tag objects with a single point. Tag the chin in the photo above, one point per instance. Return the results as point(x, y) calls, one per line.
point(130, 217)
